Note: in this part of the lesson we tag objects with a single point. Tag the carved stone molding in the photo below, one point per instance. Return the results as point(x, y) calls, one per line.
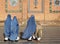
point(53, 6)
point(34, 5)
point(9, 10)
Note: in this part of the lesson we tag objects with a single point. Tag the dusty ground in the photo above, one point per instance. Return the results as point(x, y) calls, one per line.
point(51, 35)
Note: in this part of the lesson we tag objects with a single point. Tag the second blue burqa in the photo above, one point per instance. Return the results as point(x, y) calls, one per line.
point(14, 29)
point(30, 28)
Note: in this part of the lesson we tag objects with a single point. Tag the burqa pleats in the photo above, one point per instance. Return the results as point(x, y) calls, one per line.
point(14, 29)
point(7, 26)
point(30, 29)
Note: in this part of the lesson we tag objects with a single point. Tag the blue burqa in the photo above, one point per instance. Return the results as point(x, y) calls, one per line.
point(30, 28)
point(14, 29)
point(7, 26)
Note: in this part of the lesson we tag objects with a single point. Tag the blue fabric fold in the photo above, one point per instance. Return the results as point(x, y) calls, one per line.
point(7, 26)
point(14, 29)
point(30, 28)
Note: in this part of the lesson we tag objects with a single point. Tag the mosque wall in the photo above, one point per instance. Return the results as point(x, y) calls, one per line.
point(43, 10)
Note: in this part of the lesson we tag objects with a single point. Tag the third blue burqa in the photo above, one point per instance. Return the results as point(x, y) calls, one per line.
point(30, 28)
point(14, 29)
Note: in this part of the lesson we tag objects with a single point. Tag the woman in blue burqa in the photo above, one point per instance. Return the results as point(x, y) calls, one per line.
point(7, 27)
point(14, 29)
point(30, 29)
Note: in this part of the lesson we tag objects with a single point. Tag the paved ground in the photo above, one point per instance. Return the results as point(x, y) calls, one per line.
point(51, 35)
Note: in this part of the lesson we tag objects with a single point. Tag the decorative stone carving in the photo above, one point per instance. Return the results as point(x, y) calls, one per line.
point(57, 2)
point(37, 6)
point(35, 3)
point(13, 2)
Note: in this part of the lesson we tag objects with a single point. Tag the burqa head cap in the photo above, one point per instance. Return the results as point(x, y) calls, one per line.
point(15, 19)
point(32, 15)
point(9, 16)
point(32, 18)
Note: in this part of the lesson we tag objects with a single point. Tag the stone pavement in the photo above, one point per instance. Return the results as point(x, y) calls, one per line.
point(51, 35)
